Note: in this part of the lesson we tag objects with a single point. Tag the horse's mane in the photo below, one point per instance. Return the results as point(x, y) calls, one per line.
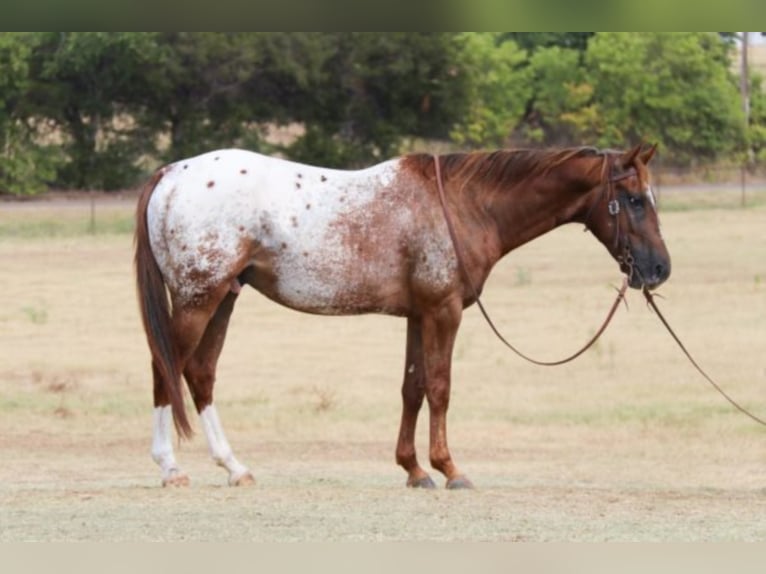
point(497, 168)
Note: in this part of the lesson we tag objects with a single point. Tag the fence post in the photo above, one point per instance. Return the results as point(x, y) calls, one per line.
point(743, 183)
point(92, 223)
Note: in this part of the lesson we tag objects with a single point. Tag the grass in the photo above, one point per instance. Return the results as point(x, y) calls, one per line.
point(36, 314)
point(728, 198)
point(51, 226)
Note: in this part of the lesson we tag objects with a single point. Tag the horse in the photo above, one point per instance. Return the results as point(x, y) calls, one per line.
point(347, 242)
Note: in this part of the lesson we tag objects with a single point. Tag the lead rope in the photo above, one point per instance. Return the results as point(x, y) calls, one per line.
point(650, 301)
point(474, 292)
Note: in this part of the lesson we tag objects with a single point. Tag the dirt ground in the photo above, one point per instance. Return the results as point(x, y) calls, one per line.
point(626, 444)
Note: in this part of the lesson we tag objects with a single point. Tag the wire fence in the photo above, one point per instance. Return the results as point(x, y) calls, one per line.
point(724, 186)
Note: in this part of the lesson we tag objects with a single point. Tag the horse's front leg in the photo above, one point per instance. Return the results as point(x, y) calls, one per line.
point(439, 329)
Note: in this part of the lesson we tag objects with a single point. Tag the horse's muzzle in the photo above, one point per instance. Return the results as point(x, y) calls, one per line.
point(646, 270)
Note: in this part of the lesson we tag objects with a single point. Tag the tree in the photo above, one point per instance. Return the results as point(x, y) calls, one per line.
point(534, 41)
point(672, 88)
point(757, 129)
point(195, 89)
point(85, 82)
point(498, 86)
point(26, 166)
point(560, 111)
point(374, 89)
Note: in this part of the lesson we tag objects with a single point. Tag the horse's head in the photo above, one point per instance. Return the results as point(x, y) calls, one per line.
point(622, 214)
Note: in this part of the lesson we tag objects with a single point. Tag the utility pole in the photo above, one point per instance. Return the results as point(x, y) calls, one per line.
point(744, 76)
point(744, 89)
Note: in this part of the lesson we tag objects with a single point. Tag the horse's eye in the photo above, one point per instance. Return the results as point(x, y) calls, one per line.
point(634, 201)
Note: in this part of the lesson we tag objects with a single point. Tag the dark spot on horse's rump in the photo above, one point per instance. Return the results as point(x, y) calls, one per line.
point(305, 253)
point(323, 178)
point(185, 166)
point(294, 221)
point(183, 247)
point(308, 206)
point(297, 185)
point(342, 198)
point(217, 158)
point(243, 171)
point(284, 245)
point(300, 175)
point(172, 232)
point(241, 228)
point(210, 183)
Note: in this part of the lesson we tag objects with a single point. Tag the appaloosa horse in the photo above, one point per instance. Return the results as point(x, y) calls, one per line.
point(370, 241)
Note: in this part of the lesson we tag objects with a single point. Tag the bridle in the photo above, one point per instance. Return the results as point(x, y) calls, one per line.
point(613, 206)
point(613, 209)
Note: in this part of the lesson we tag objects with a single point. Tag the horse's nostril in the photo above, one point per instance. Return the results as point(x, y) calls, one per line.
point(661, 271)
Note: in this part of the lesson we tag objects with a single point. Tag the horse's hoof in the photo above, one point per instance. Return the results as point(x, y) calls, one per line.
point(459, 483)
point(242, 480)
point(176, 480)
point(424, 482)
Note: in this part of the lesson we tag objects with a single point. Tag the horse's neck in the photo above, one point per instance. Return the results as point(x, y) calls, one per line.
point(532, 208)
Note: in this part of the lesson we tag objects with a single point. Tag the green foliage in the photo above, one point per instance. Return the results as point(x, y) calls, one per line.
point(670, 88)
point(756, 133)
point(560, 110)
point(25, 165)
point(86, 84)
point(373, 89)
point(499, 87)
point(534, 41)
point(195, 89)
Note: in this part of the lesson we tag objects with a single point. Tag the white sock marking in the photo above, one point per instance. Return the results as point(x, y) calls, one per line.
point(162, 441)
point(219, 446)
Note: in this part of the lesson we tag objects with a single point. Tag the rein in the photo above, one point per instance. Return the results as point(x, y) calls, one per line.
point(613, 204)
point(650, 301)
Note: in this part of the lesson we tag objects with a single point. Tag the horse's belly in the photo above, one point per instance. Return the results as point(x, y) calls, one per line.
point(334, 282)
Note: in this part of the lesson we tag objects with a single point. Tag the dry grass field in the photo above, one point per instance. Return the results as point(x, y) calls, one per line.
point(627, 443)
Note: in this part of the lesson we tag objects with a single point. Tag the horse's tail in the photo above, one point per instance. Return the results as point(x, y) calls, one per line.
point(155, 312)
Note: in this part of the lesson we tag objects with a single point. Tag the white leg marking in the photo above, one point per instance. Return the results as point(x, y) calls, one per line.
point(219, 446)
point(162, 447)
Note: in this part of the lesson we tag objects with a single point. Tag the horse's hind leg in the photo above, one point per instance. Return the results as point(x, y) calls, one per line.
point(188, 326)
point(200, 375)
point(413, 391)
point(162, 437)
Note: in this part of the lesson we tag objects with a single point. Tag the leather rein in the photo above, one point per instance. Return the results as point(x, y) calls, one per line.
point(614, 208)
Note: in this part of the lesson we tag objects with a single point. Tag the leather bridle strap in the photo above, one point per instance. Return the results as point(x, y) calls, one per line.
point(475, 293)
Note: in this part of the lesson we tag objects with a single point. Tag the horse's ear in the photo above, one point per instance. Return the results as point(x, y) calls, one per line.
point(628, 158)
point(647, 155)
